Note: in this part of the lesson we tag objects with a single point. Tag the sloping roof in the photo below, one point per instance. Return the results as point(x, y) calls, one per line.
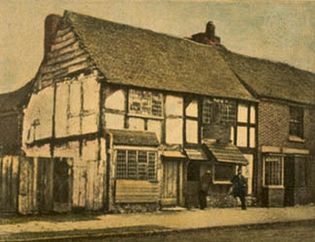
point(226, 153)
point(134, 138)
point(16, 99)
point(196, 154)
point(132, 56)
point(272, 79)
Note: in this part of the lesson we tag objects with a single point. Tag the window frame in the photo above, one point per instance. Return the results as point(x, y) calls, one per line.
point(126, 175)
point(281, 160)
point(142, 115)
point(296, 121)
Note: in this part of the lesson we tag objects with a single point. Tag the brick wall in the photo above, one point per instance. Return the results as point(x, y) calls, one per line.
point(273, 130)
point(273, 126)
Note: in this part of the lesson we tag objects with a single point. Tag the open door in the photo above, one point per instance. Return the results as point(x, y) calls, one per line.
point(62, 185)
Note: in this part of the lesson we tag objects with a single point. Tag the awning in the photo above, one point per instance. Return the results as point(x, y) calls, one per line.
point(196, 154)
point(173, 154)
point(226, 153)
point(134, 138)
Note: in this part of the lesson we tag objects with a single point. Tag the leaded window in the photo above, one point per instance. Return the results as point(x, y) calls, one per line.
point(273, 170)
point(296, 122)
point(145, 103)
point(136, 164)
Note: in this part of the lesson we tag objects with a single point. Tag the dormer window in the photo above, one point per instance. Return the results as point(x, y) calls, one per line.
point(296, 122)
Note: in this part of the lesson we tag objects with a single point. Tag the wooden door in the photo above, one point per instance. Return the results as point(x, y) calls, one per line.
point(170, 190)
point(44, 184)
point(62, 189)
point(289, 181)
point(8, 184)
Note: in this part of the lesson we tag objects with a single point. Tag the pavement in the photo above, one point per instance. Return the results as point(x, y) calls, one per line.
point(148, 223)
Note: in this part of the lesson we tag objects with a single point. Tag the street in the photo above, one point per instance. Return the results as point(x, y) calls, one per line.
point(299, 231)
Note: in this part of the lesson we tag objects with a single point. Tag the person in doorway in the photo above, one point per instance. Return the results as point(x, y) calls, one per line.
point(205, 182)
point(239, 187)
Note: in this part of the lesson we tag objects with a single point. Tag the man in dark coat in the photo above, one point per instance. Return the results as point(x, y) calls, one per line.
point(205, 181)
point(239, 185)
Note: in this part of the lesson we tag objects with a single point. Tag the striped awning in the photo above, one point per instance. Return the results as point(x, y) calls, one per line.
point(196, 154)
point(226, 153)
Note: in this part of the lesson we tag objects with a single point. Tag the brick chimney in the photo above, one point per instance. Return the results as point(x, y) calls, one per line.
point(51, 25)
point(208, 37)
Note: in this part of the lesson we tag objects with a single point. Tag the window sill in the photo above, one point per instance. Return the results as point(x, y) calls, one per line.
point(274, 186)
point(296, 139)
point(222, 182)
point(131, 115)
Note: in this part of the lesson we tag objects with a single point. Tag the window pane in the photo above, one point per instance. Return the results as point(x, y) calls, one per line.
point(273, 170)
point(136, 123)
point(191, 131)
point(242, 113)
point(192, 109)
point(121, 170)
point(145, 103)
point(142, 165)
point(252, 114)
point(241, 136)
point(132, 164)
point(207, 111)
point(152, 166)
point(252, 141)
point(296, 121)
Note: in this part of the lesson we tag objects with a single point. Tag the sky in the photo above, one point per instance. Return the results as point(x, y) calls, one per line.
point(277, 30)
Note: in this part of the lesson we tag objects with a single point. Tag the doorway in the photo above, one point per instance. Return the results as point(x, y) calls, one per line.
point(170, 189)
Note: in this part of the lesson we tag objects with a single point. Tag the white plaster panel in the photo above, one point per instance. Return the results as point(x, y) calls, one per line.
point(247, 171)
point(136, 123)
point(155, 126)
point(174, 131)
point(174, 105)
point(192, 131)
point(90, 94)
point(114, 121)
point(90, 150)
point(116, 100)
point(75, 98)
point(42, 151)
point(242, 113)
point(89, 124)
point(74, 125)
point(61, 110)
point(192, 109)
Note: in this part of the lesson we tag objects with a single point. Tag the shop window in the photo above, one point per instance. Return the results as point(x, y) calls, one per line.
point(145, 103)
point(134, 164)
point(224, 172)
point(296, 122)
point(273, 170)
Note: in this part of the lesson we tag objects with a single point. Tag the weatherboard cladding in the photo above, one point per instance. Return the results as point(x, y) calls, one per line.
point(142, 58)
point(272, 79)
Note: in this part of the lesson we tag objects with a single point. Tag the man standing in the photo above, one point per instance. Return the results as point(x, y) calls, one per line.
point(205, 181)
point(239, 187)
